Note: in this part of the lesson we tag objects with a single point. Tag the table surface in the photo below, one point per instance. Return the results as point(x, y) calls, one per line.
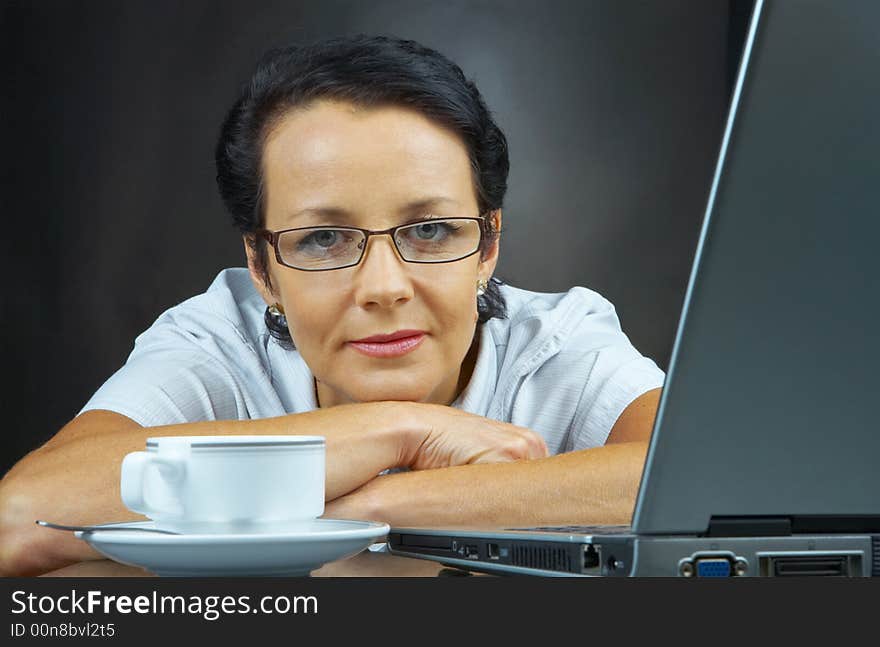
point(364, 564)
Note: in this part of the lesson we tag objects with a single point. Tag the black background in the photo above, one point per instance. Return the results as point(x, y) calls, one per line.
point(110, 111)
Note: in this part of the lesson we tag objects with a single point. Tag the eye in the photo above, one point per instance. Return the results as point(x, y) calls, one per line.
point(427, 231)
point(323, 238)
point(324, 241)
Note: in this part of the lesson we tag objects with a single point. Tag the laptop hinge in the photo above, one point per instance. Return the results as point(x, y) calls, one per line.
point(749, 527)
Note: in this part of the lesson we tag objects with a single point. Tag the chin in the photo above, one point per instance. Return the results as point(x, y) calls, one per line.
point(377, 392)
point(383, 395)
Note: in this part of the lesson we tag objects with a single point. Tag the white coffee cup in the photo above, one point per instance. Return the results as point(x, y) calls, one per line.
point(227, 484)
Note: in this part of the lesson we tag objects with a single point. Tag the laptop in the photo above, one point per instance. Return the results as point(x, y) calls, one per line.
point(765, 453)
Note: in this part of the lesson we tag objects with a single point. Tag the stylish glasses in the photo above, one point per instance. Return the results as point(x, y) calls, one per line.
point(434, 240)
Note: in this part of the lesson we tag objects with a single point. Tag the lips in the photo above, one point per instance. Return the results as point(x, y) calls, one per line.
point(400, 334)
point(393, 344)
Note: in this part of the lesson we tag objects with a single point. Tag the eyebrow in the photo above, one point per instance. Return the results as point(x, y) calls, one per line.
point(337, 214)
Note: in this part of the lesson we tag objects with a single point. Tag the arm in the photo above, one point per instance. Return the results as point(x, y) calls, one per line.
point(74, 478)
point(589, 486)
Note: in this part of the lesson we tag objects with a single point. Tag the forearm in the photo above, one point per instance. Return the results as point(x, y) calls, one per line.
point(74, 478)
point(590, 486)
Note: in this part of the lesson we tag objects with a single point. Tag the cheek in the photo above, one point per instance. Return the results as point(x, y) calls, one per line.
point(308, 308)
point(453, 300)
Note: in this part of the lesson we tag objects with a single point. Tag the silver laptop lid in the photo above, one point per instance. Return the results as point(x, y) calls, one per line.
point(771, 401)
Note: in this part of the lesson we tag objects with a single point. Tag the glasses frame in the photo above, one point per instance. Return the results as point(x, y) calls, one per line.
point(272, 237)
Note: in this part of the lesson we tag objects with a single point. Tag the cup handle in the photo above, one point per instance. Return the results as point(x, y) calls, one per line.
point(134, 466)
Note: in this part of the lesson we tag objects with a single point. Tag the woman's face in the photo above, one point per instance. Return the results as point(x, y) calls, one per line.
point(334, 164)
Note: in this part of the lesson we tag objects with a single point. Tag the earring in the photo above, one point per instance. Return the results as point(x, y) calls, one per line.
point(482, 284)
point(276, 311)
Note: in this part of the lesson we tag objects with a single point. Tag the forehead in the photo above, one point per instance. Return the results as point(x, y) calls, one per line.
point(365, 160)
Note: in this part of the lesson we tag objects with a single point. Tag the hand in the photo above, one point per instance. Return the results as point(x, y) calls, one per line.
point(449, 436)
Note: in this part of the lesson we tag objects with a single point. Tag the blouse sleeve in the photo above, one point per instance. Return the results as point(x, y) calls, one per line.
point(619, 375)
point(573, 368)
point(175, 376)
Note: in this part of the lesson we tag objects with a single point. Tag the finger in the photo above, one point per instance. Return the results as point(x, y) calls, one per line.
point(545, 451)
point(493, 457)
point(537, 446)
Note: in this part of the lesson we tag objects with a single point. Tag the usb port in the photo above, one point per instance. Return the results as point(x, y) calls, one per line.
point(492, 551)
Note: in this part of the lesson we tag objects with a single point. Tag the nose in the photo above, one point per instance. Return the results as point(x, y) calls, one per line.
point(381, 279)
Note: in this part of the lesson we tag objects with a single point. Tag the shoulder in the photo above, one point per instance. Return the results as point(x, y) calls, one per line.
point(542, 323)
point(565, 367)
point(230, 311)
point(205, 358)
point(552, 339)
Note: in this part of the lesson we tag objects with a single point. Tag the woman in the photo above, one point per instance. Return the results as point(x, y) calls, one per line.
point(367, 178)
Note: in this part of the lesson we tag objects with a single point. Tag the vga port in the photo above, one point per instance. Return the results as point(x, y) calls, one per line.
point(713, 567)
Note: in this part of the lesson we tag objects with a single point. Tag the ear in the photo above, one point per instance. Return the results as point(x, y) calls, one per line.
point(490, 259)
point(257, 277)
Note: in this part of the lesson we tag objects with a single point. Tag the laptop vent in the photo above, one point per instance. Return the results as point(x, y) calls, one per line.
point(545, 557)
point(875, 558)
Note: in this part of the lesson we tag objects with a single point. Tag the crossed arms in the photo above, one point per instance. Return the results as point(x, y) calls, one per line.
point(464, 470)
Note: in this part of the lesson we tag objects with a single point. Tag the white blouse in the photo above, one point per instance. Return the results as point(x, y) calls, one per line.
point(559, 364)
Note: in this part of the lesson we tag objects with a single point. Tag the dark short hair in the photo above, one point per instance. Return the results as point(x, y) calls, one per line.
point(368, 71)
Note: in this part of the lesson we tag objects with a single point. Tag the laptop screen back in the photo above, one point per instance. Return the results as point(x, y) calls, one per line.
point(772, 402)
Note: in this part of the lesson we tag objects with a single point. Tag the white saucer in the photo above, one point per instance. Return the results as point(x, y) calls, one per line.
point(294, 553)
